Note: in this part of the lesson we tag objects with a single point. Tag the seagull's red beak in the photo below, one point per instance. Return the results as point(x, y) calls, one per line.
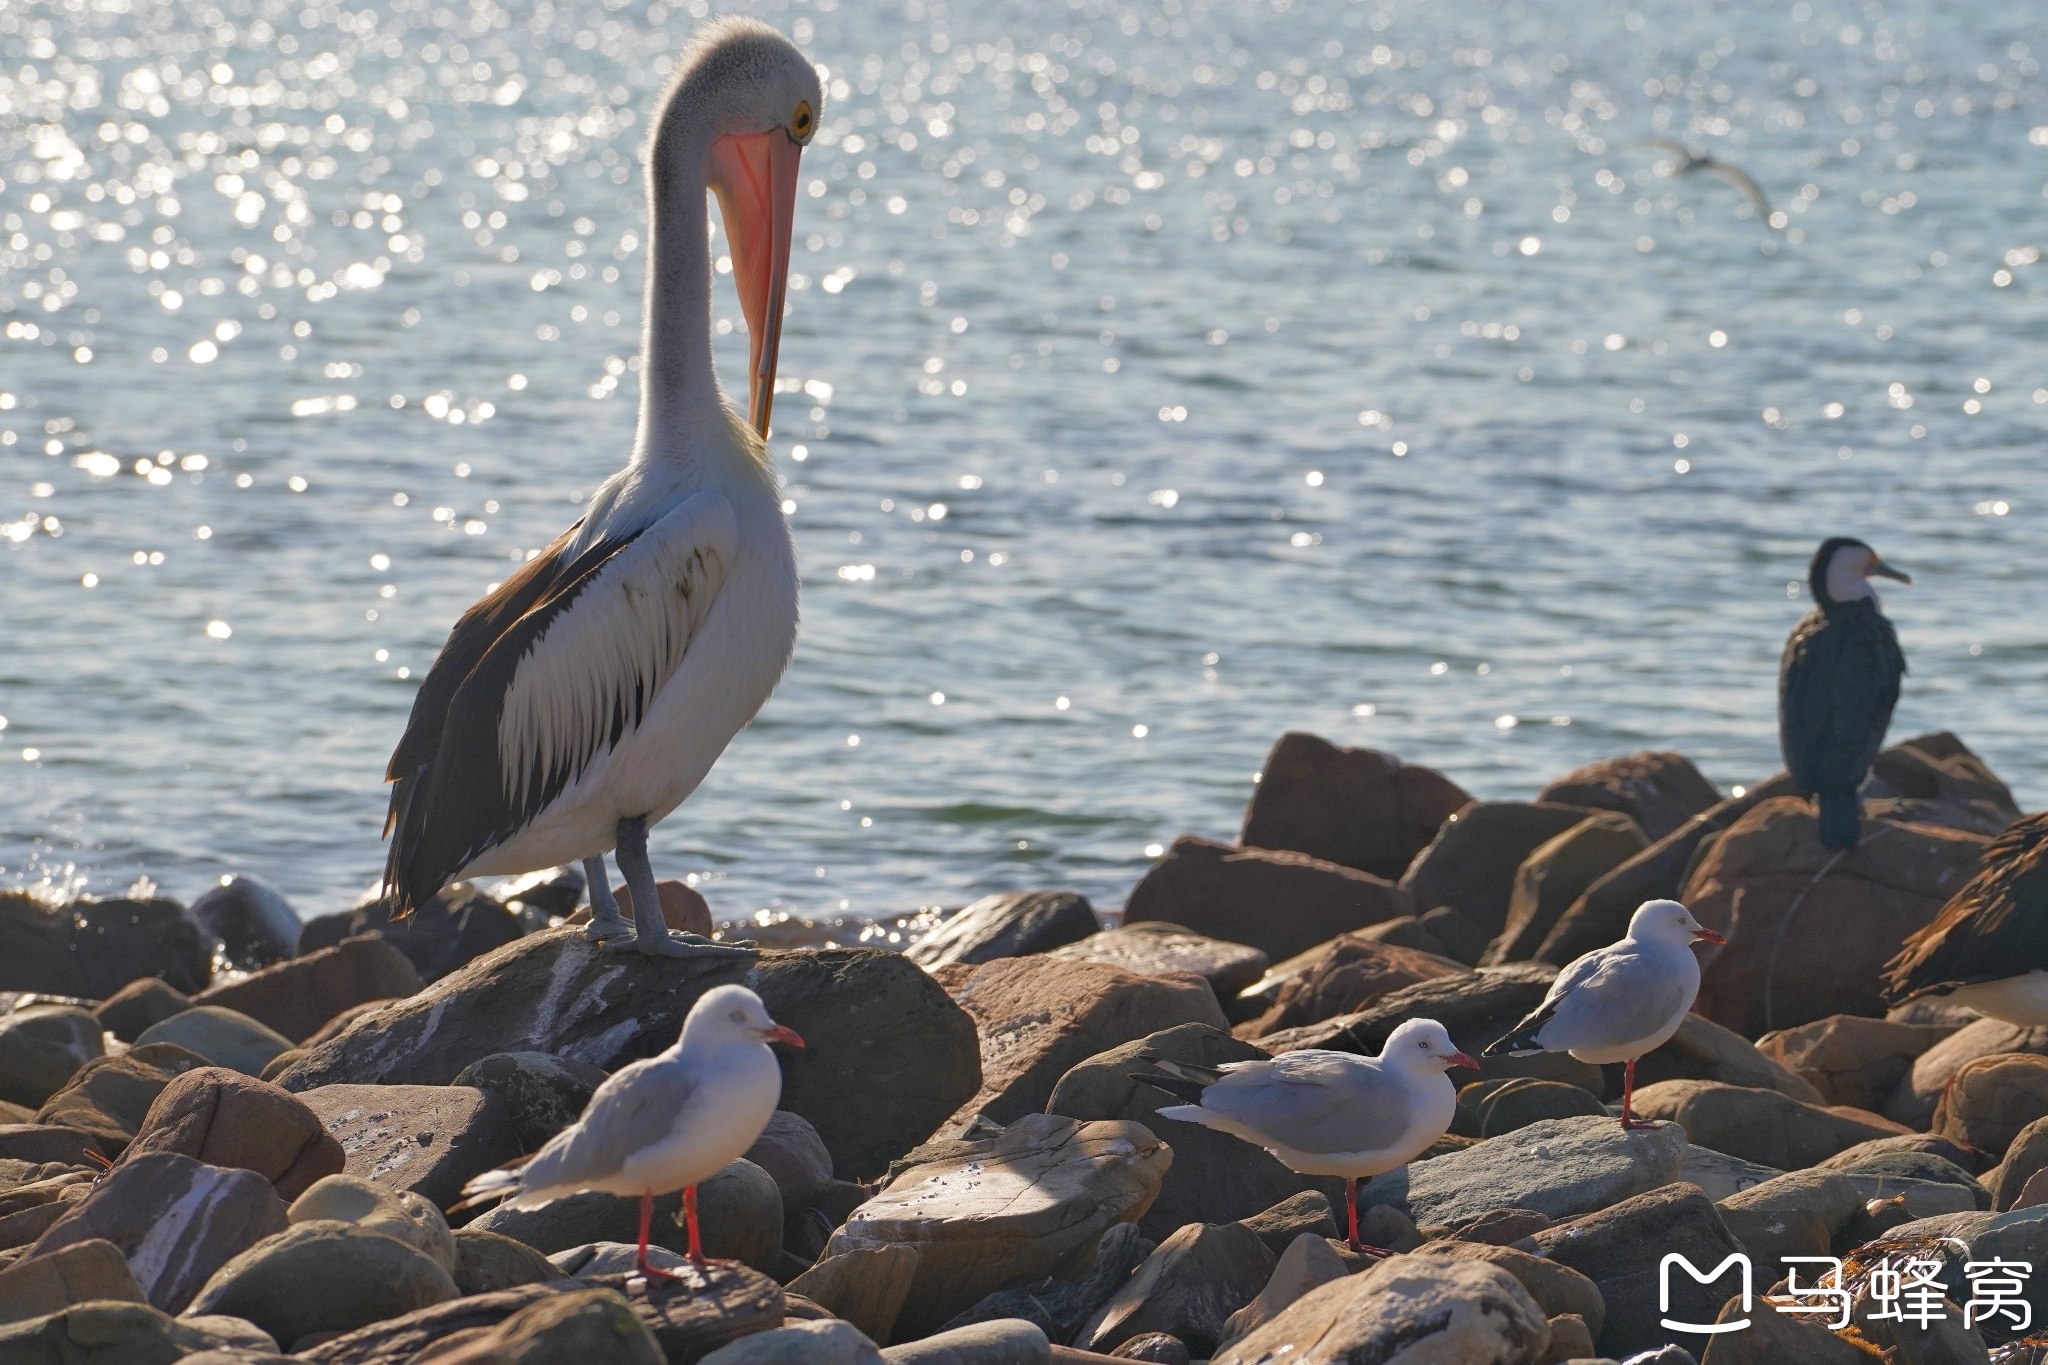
point(1465, 1060)
point(779, 1034)
point(754, 175)
point(1708, 936)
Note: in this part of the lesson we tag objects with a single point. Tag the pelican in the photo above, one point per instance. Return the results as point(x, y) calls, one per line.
point(1988, 948)
point(1689, 161)
point(587, 696)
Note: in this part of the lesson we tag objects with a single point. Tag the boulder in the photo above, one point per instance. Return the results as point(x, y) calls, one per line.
point(538, 897)
point(105, 1332)
point(1525, 1100)
point(1850, 910)
point(1992, 1099)
point(1502, 1227)
point(430, 1139)
point(92, 947)
point(1912, 1103)
point(1187, 1288)
point(1007, 1342)
point(1463, 940)
point(1280, 903)
point(874, 1024)
point(486, 1262)
point(1008, 924)
point(176, 1220)
point(794, 1156)
point(36, 1211)
point(1774, 1337)
point(46, 1142)
point(1155, 947)
point(224, 1118)
point(1920, 1156)
point(739, 1211)
point(132, 1009)
point(42, 1047)
point(110, 1098)
point(222, 1036)
point(405, 1216)
point(297, 997)
point(586, 1324)
point(334, 1027)
point(866, 1286)
point(1306, 1263)
point(1059, 1304)
point(78, 1273)
point(683, 907)
point(1935, 780)
point(1620, 1249)
point(1798, 1213)
point(457, 926)
point(1038, 1017)
point(324, 1277)
point(1281, 1225)
point(1758, 1125)
point(1403, 1308)
point(829, 1342)
point(1560, 1168)
point(2025, 1154)
point(698, 1312)
point(1849, 1059)
point(255, 924)
point(1557, 1289)
point(542, 1093)
point(1161, 1347)
point(1553, 877)
point(1013, 1207)
point(1215, 1177)
point(1355, 807)
point(1954, 1240)
point(1659, 792)
point(398, 1340)
point(1721, 1175)
point(1343, 976)
point(1471, 864)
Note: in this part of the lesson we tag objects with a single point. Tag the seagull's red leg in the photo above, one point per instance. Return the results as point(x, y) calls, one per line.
point(652, 1272)
point(690, 1217)
point(1628, 1090)
point(1351, 1207)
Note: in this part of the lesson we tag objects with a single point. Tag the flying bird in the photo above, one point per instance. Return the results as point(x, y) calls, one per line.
point(1330, 1113)
point(1988, 948)
point(1619, 1002)
point(1838, 683)
point(1689, 161)
point(663, 1124)
point(586, 697)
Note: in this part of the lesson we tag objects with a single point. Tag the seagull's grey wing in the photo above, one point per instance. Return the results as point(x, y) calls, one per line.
point(1629, 997)
point(1316, 1101)
point(632, 1111)
point(1740, 179)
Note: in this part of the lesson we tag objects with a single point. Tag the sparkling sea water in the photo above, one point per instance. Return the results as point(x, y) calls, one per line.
point(1160, 377)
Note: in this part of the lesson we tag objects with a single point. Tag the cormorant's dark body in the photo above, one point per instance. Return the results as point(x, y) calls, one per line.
point(1837, 685)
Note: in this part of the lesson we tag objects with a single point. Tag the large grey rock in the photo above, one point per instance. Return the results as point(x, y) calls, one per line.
point(429, 1139)
point(1561, 1168)
point(1007, 1342)
point(42, 1047)
point(739, 1211)
point(324, 1277)
point(1404, 1308)
point(1721, 1175)
point(1061, 1303)
point(400, 1214)
point(1154, 947)
point(794, 1156)
point(1008, 924)
point(1187, 1288)
point(223, 1036)
point(542, 1093)
point(255, 924)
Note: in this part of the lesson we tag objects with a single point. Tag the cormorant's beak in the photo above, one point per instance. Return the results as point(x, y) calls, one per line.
point(1465, 1060)
point(1708, 936)
point(1879, 569)
point(754, 175)
point(779, 1034)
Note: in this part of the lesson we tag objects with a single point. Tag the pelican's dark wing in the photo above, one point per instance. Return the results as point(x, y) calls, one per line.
point(1995, 927)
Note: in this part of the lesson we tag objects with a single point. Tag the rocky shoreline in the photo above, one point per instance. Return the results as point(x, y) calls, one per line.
point(225, 1136)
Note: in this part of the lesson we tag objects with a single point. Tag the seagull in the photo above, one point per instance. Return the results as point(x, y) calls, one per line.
point(1689, 161)
point(585, 698)
point(1988, 948)
point(1330, 1113)
point(1616, 1003)
point(663, 1124)
point(1837, 685)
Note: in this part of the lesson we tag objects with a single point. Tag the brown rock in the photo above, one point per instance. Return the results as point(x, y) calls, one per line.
point(1008, 924)
point(1280, 1226)
point(1038, 1017)
point(794, 1156)
point(1355, 807)
point(1796, 1214)
point(1658, 791)
point(298, 996)
point(334, 1027)
point(109, 1332)
point(224, 1118)
point(1557, 1288)
point(458, 925)
point(77, 1273)
point(1762, 1126)
point(1620, 1249)
point(128, 1012)
point(1307, 1262)
point(1936, 780)
point(42, 1047)
point(396, 1341)
point(1570, 1339)
point(2034, 1193)
point(93, 947)
point(430, 1139)
point(545, 1093)
point(1186, 1288)
point(324, 1277)
point(1912, 1103)
point(1280, 903)
point(1992, 1099)
point(587, 1324)
point(1403, 1308)
point(739, 1211)
point(1471, 864)
point(2024, 1155)
point(486, 1263)
point(20, 1229)
point(1162, 1348)
point(1346, 975)
point(683, 907)
point(1155, 947)
point(1847, 912)
point(41, 1142)
point(110, 1097)
point(1554, 875)
point(1701, 1050)
point(866, 1286)
point(1502, 1227)
point(1850, 1059)
point(1775, 1337)
point(1463, 940)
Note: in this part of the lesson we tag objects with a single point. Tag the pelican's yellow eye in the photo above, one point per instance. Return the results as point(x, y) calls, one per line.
point(801, 121)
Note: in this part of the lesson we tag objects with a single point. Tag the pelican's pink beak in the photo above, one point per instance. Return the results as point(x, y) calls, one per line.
point(1466, 1060)
point(754, 175)
point(1708, 936)
point(779, 1034)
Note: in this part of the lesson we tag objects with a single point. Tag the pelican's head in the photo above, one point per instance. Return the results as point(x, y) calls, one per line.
point(1424, 1045)
point(1668, 922)
point(743, 105)
point(725, 1015)
point(1842, 569)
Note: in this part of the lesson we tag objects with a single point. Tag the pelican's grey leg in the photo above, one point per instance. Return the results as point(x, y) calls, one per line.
point(651, 934)
point(606, 923)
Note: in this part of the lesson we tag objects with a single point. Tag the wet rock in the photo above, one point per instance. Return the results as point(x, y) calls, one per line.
point(1187, 1288)
point(1281, 1225)
point(1721, 1175)
point(1758, 1125)
point(1038, 1017)
point(794, 1156)
point(1355, 807)
point(866, 1286)
point(1215, 1177)
point(324, 1277)
point(405, 1216)
point(1556, 1288)
point(1006, 1209)
point(458, 925)
point(486, 1262)
point(1849, 1059)
point(1658, 791)
point(1155, 948)
point(1774, 1338)
point(255, 924)
point(297, 997)
point(1850, 911)
point(1912, 1103)
point(132, 1009)
point(92, 947)
point(1620, 1248)
point(222, 1036)
point(1306, 1263)
point(42, 1047)
point(110, 1098)
point(1470, 865)
point(41, 1142)
point(1280, 903)
point(102, 1332)
point(1992, 1099)
point(1403, 1307)
point(874, 1024)
point(542, 1093)
point(1561, 1168)
point(1008, 924)
point(78, 1273)
point(1346, 975)
point(224, 1118)
point(430, 1139)
point(829, 1342)
point(1554, 875)
point(739, 1210)
point(176, 1220)
point(1525, 1100)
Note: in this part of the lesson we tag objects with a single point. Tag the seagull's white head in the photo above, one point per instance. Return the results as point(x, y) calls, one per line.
point(1669, 923)
point(725, 1015)
point(1424, 1047)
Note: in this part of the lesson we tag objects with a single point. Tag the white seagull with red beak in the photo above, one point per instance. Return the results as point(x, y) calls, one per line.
point(588, 695)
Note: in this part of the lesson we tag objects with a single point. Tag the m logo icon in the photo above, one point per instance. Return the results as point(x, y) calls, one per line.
point(1707, 1277)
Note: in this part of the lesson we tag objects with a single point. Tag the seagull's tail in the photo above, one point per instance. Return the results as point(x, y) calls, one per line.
point(1522, 1041)
point(1840, 818)
point(1187, 1113)
point(496, 1184)
point(1180, 1087)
